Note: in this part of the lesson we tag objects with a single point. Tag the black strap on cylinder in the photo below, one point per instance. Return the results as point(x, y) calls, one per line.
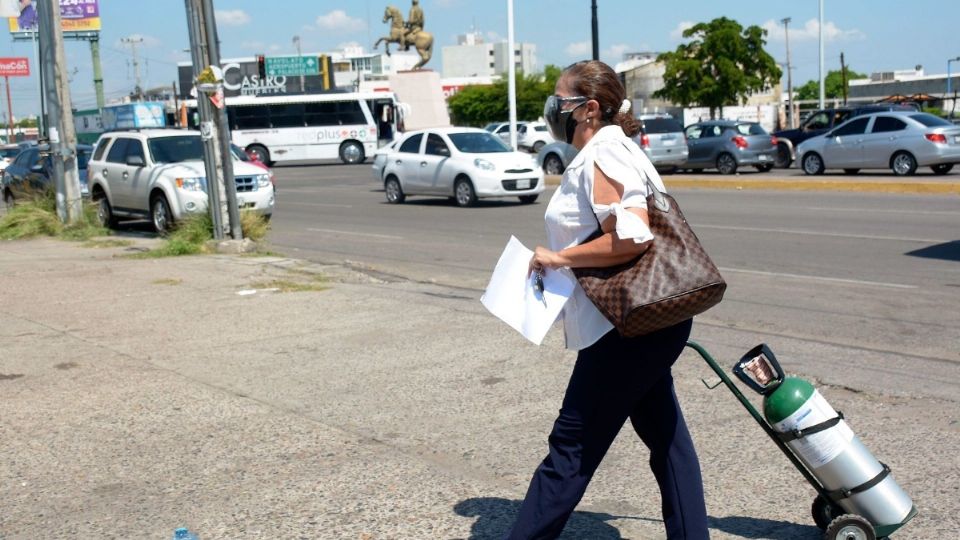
point(842, 493)
point(795, 434)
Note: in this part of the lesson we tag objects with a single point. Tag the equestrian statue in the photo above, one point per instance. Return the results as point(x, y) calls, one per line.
point(408, 33)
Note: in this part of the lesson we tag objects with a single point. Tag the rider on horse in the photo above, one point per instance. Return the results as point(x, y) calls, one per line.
point(414, 25)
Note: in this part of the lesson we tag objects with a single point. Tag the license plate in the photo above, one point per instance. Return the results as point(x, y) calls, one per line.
point(668, 142)
point(956, 139)
point(523, 184)
point(764, 157)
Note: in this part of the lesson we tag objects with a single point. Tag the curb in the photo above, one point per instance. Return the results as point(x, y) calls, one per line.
point(789, 184)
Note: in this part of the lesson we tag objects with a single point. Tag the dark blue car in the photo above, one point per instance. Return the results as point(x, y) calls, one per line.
point(30, 172)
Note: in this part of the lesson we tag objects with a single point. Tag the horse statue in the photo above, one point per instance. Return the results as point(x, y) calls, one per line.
point(422, 40)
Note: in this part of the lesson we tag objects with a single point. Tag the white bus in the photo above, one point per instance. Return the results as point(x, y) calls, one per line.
point(349, 126)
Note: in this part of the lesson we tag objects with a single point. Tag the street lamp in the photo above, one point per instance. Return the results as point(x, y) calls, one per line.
point(296, 42)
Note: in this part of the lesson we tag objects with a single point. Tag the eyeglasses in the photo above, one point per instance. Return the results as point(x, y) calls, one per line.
point(561, 101)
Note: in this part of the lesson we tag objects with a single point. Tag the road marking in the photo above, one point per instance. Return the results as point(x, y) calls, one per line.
point(820, 278)
point(879, 211)
point(293, 203)
point(817, 233)
point(371, 235)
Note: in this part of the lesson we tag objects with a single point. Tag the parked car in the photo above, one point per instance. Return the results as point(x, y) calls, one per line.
point(819, 122)
point(554, 157)
point(7, 153)
point(462, 163)
point(533, 136)
point(900, 141)
point(159, 174)
point(502, 129)
point(30, 173)
point(727, 145)
point(661, 138)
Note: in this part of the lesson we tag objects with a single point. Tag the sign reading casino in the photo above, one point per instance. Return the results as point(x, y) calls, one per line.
point(240, 78)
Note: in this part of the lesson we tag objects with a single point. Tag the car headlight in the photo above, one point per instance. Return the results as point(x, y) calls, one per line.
point(483, 164)
point(263, 180)
point(198, 183)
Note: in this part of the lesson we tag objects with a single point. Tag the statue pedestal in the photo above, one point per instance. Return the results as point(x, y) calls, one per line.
point(422, 92)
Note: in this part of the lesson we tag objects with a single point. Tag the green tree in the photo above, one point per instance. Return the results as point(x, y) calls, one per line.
point(478, 105)
point(832, 85)
point(723, 63)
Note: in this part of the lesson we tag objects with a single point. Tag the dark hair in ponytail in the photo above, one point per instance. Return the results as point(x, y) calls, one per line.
point(598, 81)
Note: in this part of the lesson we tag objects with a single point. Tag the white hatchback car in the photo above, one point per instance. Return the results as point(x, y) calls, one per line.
point(533, 136)
point(462, 163)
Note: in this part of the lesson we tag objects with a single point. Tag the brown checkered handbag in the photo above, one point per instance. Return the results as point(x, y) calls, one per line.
point(669, 283)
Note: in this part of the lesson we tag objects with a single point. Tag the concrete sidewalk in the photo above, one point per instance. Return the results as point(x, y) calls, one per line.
point(140, 395)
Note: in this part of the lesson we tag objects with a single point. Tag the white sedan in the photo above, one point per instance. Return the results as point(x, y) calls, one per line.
point(462, 163)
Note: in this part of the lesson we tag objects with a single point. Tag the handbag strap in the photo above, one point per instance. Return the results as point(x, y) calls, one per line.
point(644, 168)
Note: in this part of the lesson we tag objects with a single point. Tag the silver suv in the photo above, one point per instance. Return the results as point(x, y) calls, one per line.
point(159, 173)
point(661, 138)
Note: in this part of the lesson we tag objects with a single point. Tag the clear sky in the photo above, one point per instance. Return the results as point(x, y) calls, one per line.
point(874, 35)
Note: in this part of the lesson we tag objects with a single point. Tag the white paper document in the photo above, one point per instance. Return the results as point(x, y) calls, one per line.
point(512, 295)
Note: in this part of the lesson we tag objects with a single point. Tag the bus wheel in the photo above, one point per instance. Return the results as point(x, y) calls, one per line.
point(260, 153)
point(351, 152)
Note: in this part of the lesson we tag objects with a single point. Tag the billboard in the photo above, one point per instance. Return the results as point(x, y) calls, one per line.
point(75, 16)
point(14, 67)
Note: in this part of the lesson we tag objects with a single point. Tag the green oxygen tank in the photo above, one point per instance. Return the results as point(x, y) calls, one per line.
point(825, 444)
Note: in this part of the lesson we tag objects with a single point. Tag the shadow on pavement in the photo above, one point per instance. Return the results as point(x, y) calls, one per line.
point(748, 527)
point(947, 251)
point(495, 517)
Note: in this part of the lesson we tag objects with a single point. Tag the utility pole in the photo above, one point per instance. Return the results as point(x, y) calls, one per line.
point(198, 54)
point(595, 31)
point(133, 42)
point(843, 78)
point(217, 158)
point(786, 34)
point(223, 127)
point(820, 28)
point(61, 132)
point(97, 71)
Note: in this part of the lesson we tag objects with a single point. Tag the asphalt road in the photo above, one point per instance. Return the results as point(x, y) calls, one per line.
point(863, 286)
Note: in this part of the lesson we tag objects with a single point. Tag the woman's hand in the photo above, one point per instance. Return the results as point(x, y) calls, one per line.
point(544, 258)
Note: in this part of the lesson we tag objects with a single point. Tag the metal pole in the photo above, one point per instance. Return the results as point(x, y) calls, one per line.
point(41, 120)
point(296, 41)
point(136, 65)
point(786, 34)
point(9, 113)
point(954, 103)
point(595, 31)
point(511, 77)
point(820, 29)
point(223, 128)
point(843, 78)
point(97, 71)
point(47, 32)
point(198, 55)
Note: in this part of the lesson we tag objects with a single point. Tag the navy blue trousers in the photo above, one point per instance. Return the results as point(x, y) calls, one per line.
point(615, 379)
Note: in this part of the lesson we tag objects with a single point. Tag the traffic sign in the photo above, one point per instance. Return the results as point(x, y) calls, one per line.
point(285, 66)
point(14, 67)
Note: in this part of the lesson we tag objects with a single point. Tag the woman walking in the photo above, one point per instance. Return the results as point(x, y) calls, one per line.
point(614, 378)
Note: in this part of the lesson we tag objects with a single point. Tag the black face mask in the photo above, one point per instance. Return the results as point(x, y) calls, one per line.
point(561, 123)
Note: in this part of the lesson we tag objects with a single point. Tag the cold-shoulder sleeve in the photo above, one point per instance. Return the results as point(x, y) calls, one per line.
point(618, 164)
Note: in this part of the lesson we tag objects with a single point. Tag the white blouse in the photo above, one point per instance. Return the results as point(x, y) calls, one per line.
point(572, 216)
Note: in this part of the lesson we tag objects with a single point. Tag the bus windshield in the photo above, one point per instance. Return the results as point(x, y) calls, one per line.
point(176, 149)
point(473, 142)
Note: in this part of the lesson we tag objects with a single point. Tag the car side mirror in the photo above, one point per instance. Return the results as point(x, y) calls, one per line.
point(135, 161)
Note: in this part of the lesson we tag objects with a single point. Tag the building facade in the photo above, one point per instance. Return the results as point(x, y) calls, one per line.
point(472, 57)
